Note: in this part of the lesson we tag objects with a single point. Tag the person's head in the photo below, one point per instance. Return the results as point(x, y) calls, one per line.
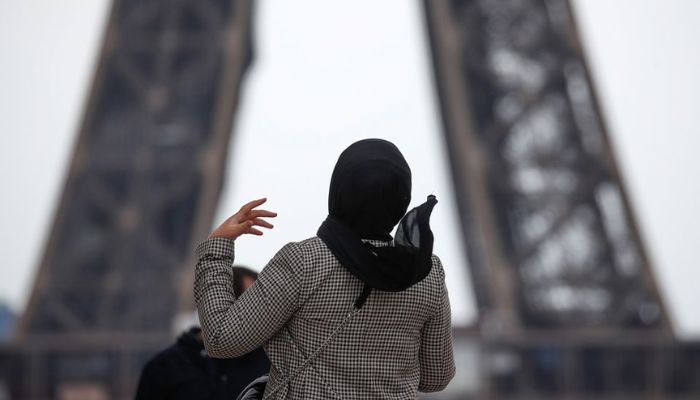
point(370, 188)
point(187, 322)
point(243, 278)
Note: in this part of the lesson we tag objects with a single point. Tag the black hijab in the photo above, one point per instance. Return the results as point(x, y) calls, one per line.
point(369, 193)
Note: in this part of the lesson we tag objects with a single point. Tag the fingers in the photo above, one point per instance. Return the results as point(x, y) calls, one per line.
point(251, 205)
point(250, 229)
point(254, 231)
point(263, 223)
point(261, 213)
point(247, 228)
point(257, 222)
point(245, 220)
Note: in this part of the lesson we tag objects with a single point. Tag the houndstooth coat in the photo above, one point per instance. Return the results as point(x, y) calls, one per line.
point(397, 344)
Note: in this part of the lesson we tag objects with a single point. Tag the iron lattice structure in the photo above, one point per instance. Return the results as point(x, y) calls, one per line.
point(568, 306)
point(141, 190)
point(552, 241)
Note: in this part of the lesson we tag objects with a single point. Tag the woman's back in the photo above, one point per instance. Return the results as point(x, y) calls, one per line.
point(340, 317)
point(377, 354)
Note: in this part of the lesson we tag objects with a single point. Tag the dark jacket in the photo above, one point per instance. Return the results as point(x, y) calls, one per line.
point(184, 371)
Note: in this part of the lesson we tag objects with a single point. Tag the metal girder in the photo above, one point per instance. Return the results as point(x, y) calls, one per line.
point(142, 186)
point(551, 237)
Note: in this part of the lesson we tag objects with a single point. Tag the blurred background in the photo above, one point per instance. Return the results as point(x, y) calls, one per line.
point(557, 135)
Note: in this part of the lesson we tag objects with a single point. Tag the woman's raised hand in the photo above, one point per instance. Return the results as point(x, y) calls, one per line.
point(245, 221)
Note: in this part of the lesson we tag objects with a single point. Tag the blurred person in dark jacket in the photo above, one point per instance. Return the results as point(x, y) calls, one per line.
point(185, 371)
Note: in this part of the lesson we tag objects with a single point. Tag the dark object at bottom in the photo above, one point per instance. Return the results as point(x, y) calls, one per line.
point(185, 371)
point(255, 390)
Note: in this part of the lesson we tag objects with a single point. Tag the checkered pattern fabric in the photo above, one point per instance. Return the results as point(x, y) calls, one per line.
point(396, 345)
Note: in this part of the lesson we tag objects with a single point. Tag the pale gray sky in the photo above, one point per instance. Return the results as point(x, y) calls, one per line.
point(328, 73)
point(320, 85)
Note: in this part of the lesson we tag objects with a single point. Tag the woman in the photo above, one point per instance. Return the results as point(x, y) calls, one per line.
point(349, 314)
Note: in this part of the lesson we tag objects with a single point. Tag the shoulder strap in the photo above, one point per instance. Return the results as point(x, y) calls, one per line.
point(355, 308)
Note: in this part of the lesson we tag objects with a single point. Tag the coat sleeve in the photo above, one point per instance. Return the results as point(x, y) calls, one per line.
point(437, 366)
point(233, 327)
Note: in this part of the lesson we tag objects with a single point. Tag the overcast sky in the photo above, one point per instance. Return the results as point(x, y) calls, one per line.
point(328, 73)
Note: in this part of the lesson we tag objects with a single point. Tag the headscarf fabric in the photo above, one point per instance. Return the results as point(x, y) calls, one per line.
point(369, 193)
